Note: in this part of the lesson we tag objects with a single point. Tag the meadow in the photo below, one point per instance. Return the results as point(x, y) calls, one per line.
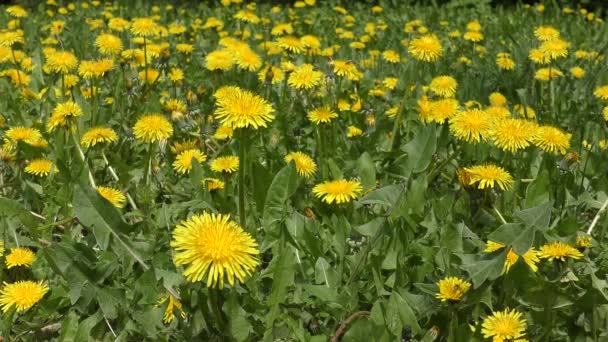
point(313, 171)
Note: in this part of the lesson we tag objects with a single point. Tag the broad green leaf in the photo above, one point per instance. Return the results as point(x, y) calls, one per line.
point(69, 328)
point(539, 190)
point(101, 216)
point(483, 270)
point(517, 235)
point(283, 186)
point(537, 217)
point(367, 171)
point(282, 270)
point(370, 228)
point(385, 196)
point(240, 328)
point(420, 150)
point(12, 208)
point(404, 311)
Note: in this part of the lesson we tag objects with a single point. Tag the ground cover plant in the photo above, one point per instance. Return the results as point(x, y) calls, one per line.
point(232, 171)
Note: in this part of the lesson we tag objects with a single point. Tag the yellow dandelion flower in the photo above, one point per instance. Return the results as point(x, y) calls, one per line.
point(426, 48)
point(472, 125)
point(525, 111)
point(20, 256)
point(442, 110)
point(338, 191)
point(391, 56)
point(512, 134)
point(488, 175)
point(176, 75)
point(172, 305)
point(546, 33)
point(305, 165)
point(109, 44)
point(214, 246)
point(353, 131)
point(291, 44)
point(493, 246)
point(152, 127)
point(149, 75)
point(228, 164)
point(63, 114)
point(547, 74)
point(28, 135)
point(444, 86)
point(219, 60)
point(555, 49)
point(321, 115)
point(601, 93)
point(271, 75)
point(558, 250)
point(577, 72)
point(39, 167)
point(10, 38)
point(114, 196)
point(505, 63)
point(22, 295)
point(452, 289)
point(538, 57)
point(144, 27)
point(240, 108)
point(530, 258)
point(61, 62)
point(16, 11)
point(223, 132)
point(95, 69)
point(247, 59)
point(473, 36)
point(552, 139)
point(347, 70)
point(508, 325)
point(213, 184)
point(305, 77)
point(582, 241)
point(183, 162)
point(98, 135)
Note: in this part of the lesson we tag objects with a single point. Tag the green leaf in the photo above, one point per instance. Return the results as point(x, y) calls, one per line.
point(420, 150)
point(385, 196)
point(483, 270)
point(69, 328)
point(283, 186)
point(370, 228)
point(101, 216)
point(404, 312)
point(282, 270)
point(367, 171)
point(240, 328)
point(516, 235)
point(538, 191)
point(11, 208)
point(537, 217)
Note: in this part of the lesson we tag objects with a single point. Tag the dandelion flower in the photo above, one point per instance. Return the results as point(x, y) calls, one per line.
point(538, 57)
point(488, 175)
point(508, 325)
point(577, 72)
point(219, 60)
point(305, 77)
point(114, 196)
point(601, 93)
point(61, 62)
point(472, 125)
point(213, 184)
point(240, 108)
point(552, 139)
point(582, 241)
point(20, 256)
point(512, 134)
point(172, 305)
point(291, 44)
point(321, 115)
point(547, 74)
point(452, 289)
point(347, 69)
point(546, 33)
point(426, 48)
point(444, 86)
point(305, 165)
point(39, 167)
point(353, 131)
point(215, 247)
point(98, 135)
point(22, 295)
point(183, 162)
point(95, 69)
point(10, 38)
point(530, 258)
point(28, 135)
point(339, 191)
point(63, 114)
point(109, 44)
point(558, 250)
point(228, 164)
point(391, 56)
point(152, 127)
point(149, 75)
point(144, 27)
point(555, 49)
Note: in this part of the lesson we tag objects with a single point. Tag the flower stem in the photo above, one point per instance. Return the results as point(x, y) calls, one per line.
point(242, 152)
point(148, 168)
